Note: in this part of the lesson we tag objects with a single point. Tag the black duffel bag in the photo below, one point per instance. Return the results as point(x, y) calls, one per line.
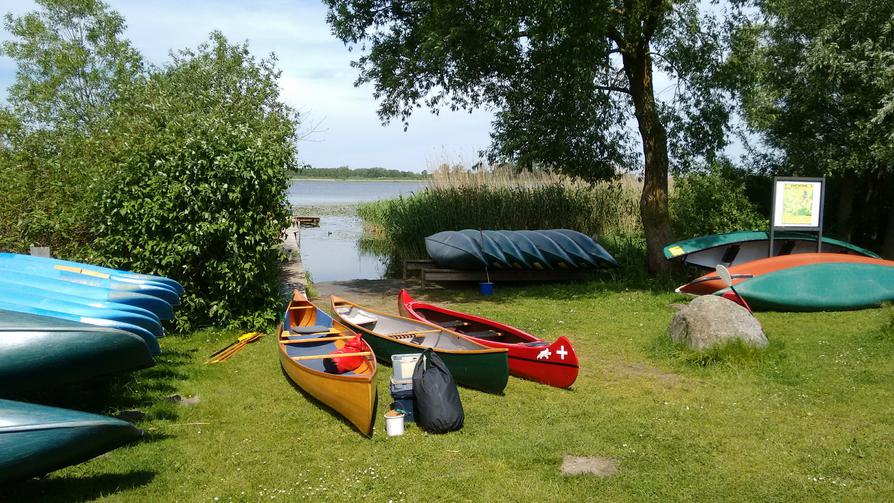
point(438, 408)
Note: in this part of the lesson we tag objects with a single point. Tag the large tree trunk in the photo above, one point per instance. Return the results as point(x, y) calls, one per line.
point(887, 250)
point(653, 205)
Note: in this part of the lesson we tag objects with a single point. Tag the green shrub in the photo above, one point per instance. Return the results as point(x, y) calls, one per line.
point(712, 203)
point(196, 188)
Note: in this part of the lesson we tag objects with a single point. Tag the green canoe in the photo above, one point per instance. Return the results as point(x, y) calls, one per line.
point(472, 364)
point(745, 246)
point(830, 286)
point(40, 352)
point(35, 439)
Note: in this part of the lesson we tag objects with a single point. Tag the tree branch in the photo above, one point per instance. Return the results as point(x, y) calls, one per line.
point(616, 89)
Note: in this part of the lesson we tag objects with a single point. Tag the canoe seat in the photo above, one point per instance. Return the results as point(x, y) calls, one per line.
point(485, 334)
point(312, 329)
point(454, 323)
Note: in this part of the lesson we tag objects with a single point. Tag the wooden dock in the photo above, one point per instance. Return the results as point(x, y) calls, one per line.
point(304, 221)
point(429, 271)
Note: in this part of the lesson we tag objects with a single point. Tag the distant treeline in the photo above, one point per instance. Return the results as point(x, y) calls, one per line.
point(346, 172)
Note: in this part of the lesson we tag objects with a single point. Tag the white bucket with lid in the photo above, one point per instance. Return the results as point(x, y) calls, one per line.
point(394, 424)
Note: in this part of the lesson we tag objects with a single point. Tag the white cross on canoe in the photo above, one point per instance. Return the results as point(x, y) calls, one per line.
point(561, 352)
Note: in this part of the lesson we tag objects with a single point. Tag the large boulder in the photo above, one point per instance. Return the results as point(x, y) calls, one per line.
point(710, 321)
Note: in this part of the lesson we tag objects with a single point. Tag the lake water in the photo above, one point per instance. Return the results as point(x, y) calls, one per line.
point(331, 252)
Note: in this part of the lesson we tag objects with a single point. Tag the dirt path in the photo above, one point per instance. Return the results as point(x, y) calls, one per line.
point(379, 294)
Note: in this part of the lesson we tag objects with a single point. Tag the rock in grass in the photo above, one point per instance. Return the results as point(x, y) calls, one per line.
point(710, 321)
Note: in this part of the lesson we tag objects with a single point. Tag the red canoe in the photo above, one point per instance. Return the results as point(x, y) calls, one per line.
point(710, 283)
point(529, 357)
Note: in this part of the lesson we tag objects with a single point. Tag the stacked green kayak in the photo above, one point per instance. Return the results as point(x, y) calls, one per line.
point(35, 439)
point(472, 249)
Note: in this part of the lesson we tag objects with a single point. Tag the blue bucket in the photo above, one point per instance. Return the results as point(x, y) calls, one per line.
point(486, 288)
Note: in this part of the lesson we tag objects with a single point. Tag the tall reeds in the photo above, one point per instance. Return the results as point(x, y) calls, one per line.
point(500, 199)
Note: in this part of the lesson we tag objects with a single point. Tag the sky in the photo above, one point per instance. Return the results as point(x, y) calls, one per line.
point(339, 124)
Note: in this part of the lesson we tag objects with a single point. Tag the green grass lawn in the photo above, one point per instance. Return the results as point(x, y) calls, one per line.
point(811, 418)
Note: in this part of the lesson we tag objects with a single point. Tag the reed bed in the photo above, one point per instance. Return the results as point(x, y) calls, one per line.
point(500, 199)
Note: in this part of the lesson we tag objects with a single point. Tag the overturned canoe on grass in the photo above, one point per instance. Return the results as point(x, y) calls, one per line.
point(529, 357)
point(711, 282)
point(471, 249)
point(734, 248)
point(472, 364)
point(833, 286)
point(311, 350)
point(35, 439)
point(41, 353)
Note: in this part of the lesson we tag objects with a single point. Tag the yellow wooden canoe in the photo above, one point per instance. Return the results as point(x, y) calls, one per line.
point(306, 338)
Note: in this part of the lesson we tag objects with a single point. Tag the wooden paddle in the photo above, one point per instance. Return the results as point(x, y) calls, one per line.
point(724, 274)
point(227, 352)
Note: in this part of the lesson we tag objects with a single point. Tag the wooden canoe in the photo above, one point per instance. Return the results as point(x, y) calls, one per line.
point(472, 364)
point(711, 282)
point(302, 344)
point(830, 286)
point(736, 248)
point(41, 353)
point(529, 357)
point(35, 439)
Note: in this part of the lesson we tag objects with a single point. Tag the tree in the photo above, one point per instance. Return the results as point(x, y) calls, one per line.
point(196, 183)
point(817, 85)
point(71, 63)
point(565, 77)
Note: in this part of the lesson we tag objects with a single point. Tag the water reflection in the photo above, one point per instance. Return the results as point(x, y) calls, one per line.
point(332, 251)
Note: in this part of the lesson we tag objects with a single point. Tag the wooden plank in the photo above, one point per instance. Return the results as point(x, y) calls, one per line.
point(317, 339)
point(507, 275)
point(415, 265)
point(331, 355)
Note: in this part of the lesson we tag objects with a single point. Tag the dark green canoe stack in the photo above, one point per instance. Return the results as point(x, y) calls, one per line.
point(472, 249)
point(64, 323)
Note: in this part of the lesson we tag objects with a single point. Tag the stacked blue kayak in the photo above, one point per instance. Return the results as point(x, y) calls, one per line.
point(114, 300)
point(61, 323)
point(472, 249)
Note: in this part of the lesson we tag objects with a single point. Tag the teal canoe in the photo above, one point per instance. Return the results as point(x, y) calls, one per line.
point(148, 337)
point(735, 248)
point(168, 282)
point(580, 256)
point(455, 250)
point(158, 307)
point(36, 439)
point(829, 286)
point(514, 256)
point(40, 352)
point(589, 245)
point(554, 254)
point(81, 307)
point(533, 254)
point(492, 254)
point(8, 287)
point(11, 263)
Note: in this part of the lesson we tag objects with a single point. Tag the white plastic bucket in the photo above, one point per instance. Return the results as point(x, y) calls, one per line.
point(403, 366)
point(394, 425)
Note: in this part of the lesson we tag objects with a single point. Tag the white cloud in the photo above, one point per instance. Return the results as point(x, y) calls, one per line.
point(316, 79)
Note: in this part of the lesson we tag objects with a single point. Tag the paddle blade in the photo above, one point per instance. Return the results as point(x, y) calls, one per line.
point(724, 274)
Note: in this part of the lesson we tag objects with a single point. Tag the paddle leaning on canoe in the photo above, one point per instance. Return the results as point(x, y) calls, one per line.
point(529, 357)
point(329, 362)
point(472, 364)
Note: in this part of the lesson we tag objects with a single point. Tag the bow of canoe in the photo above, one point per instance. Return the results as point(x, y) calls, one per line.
point(306, 336)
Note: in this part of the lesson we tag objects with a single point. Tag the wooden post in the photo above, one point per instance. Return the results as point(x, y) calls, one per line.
point(40, 251)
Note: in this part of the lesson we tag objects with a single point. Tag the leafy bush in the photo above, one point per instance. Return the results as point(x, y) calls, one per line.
point(711, 203)
point(196, 187)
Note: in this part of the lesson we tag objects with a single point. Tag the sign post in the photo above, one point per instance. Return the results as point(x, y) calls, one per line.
point(798, 206)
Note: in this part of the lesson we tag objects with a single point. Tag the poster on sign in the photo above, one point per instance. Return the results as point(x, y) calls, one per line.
point(798, 203)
